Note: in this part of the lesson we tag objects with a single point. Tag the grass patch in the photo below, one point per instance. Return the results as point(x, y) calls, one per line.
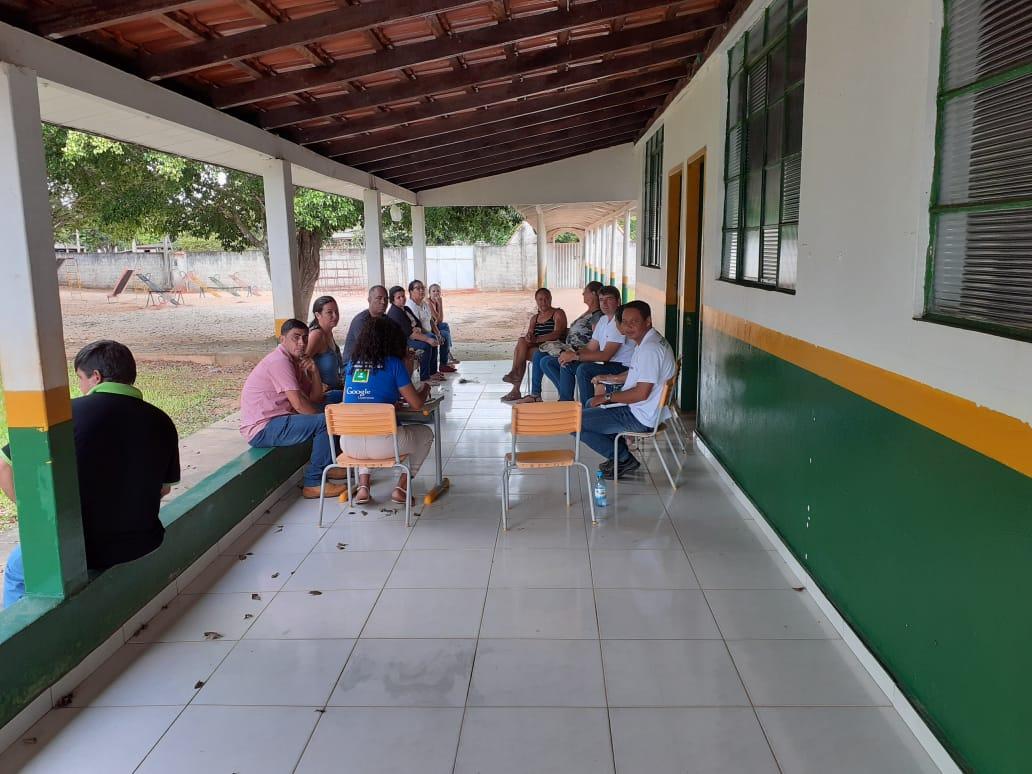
point(194, 396)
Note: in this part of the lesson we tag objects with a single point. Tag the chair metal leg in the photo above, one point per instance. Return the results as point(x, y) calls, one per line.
point(673, 452)
point(567, 487)
point(678, 427)
point(408, 493)
point(322, 490)
point(659, 453)
point(591, 500)
point(616, 459)
point(505, 498)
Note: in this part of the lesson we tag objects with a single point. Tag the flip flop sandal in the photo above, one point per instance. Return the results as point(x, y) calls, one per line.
point(402, 500)
point(362, 500)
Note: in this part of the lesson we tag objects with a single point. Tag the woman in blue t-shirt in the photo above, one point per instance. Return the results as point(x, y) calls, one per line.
point(377, 374)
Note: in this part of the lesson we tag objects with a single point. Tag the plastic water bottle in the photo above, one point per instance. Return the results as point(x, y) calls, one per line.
point(601, 499)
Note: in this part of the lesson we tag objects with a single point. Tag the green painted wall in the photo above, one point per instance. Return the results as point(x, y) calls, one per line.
point(923, 545)
point(41, 639)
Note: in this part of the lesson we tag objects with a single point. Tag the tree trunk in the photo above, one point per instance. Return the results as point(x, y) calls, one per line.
point(309, 244)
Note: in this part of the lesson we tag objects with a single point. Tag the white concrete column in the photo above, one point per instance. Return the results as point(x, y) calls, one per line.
point(32, 358)
point(282, 235)
point(613, 279)
point(542, 249)
point(625, 265)
point(419, 244)
point(373, 236)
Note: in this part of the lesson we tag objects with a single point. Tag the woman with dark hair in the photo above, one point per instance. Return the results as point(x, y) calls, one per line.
point(322, 347)
point(377, 374)
point(548, 324)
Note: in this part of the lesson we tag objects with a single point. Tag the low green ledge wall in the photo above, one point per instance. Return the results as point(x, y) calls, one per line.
point(42, 639)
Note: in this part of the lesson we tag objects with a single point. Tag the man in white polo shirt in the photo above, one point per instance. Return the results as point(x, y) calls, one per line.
point(609, 352)
point(636, 406)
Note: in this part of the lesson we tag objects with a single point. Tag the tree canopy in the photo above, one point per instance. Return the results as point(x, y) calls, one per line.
point(455, 226)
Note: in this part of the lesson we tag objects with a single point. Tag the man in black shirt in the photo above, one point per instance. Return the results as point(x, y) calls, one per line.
point(377, 308)
point(127, 456)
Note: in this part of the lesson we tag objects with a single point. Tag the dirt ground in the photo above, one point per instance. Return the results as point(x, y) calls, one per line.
point(232, 330)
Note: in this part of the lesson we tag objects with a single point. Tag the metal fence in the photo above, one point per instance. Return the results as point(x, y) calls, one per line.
point(565, 265)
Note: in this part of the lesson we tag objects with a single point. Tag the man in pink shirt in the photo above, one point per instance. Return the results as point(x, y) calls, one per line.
point(282, 404)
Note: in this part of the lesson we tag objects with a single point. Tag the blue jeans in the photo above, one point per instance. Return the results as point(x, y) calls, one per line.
point(536, 373)
point(292, 429)
point(427, 358)
point(446, 344)
point(599, 427)
point(14, 578)
point(563, 377)
point(588, 371)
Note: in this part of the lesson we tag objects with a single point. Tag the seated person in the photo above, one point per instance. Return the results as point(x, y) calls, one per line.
point(377, 374)
point(608, 353)
point(423, 345)
point(418, 305)
point(127, 457)
point(282, 404)
point(546, 359)
point(547, 324)
point(636, 407)
point(377, 299)
point(436, 301)
point(322, 347)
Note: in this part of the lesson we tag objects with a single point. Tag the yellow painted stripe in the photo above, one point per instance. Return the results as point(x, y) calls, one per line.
point(999, 436)
point(279, 325)
point(38, 409)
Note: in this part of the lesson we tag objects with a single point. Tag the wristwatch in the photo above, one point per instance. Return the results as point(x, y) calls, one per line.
point(609, 397)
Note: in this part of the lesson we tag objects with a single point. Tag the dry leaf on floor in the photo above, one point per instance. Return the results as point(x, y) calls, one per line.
point(212, 636)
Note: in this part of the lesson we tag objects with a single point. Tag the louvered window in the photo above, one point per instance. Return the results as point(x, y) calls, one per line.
point(764, 147)
point(651, 201)
point(981, 253)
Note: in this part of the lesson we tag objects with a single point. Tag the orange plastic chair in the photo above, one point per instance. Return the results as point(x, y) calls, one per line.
point(364, 419)
point(660, 427)
point(542, 419)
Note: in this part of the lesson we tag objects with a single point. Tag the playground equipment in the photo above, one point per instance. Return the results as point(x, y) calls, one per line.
point(192, 278)
point(251, 289)
point(172, 296)
point(231, 289)
point(120, 285)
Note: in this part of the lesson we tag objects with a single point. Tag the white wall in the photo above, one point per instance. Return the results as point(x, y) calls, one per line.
point(868, 152)
point(609, 175)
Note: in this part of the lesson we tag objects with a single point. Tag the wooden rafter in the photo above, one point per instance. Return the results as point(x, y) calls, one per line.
point(525, 113)
point(529, 87)
point(429, 51)
point(308, 29)
point(524, 65)
point(88, 16)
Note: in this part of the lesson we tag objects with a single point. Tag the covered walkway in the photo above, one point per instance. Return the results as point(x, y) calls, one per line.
point(669, 638)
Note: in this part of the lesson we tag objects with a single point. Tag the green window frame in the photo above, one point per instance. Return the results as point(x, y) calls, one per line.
point(651, 202)
point(763, 150)
point(979, 267)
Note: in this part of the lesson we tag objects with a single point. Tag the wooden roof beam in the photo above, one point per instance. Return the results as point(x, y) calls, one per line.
point(511, 165)
point(528, 112)
point(530, 87)
point(523, 65)
point(296, 32)
point(540, 133)
point(413, 54)
point(85, 17)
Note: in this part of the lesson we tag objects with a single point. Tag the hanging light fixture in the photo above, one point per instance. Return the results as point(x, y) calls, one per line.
point(395, 212)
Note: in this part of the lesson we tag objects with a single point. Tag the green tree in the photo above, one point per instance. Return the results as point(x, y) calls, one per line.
point(454, 226)
point(567, 236)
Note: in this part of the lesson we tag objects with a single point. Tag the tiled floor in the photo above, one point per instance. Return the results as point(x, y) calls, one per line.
point(665, 639)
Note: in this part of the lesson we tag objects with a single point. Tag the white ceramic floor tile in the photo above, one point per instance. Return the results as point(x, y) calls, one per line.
point(654, 614)
point(845, 740)
point(191, 617)
point(426, 613)
point(742, 570)
point(537, 673)
point(228, 574)
point(442, 568)
point(769, 615)
point(543, 533)
point(642, 569)
point(651, 533)
point(162, 673)
point(730, 536)
point(383, 741)
point(313, 615)
point(406, 673)
point(541, 568)
point(95, 740)
point(780, 673)
point(299, 673)
point(453, 533)
point(544, 740)
point(364, 537)
point(540, 613)
point(344, 569)
point(671, 673)
point(256, 740)
point(721, 740)
point(264, 539)
point(625, 504)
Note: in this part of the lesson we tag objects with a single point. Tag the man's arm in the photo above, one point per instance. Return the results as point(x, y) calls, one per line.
point(301, 402)
point(636, 394)
point(610, 378)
